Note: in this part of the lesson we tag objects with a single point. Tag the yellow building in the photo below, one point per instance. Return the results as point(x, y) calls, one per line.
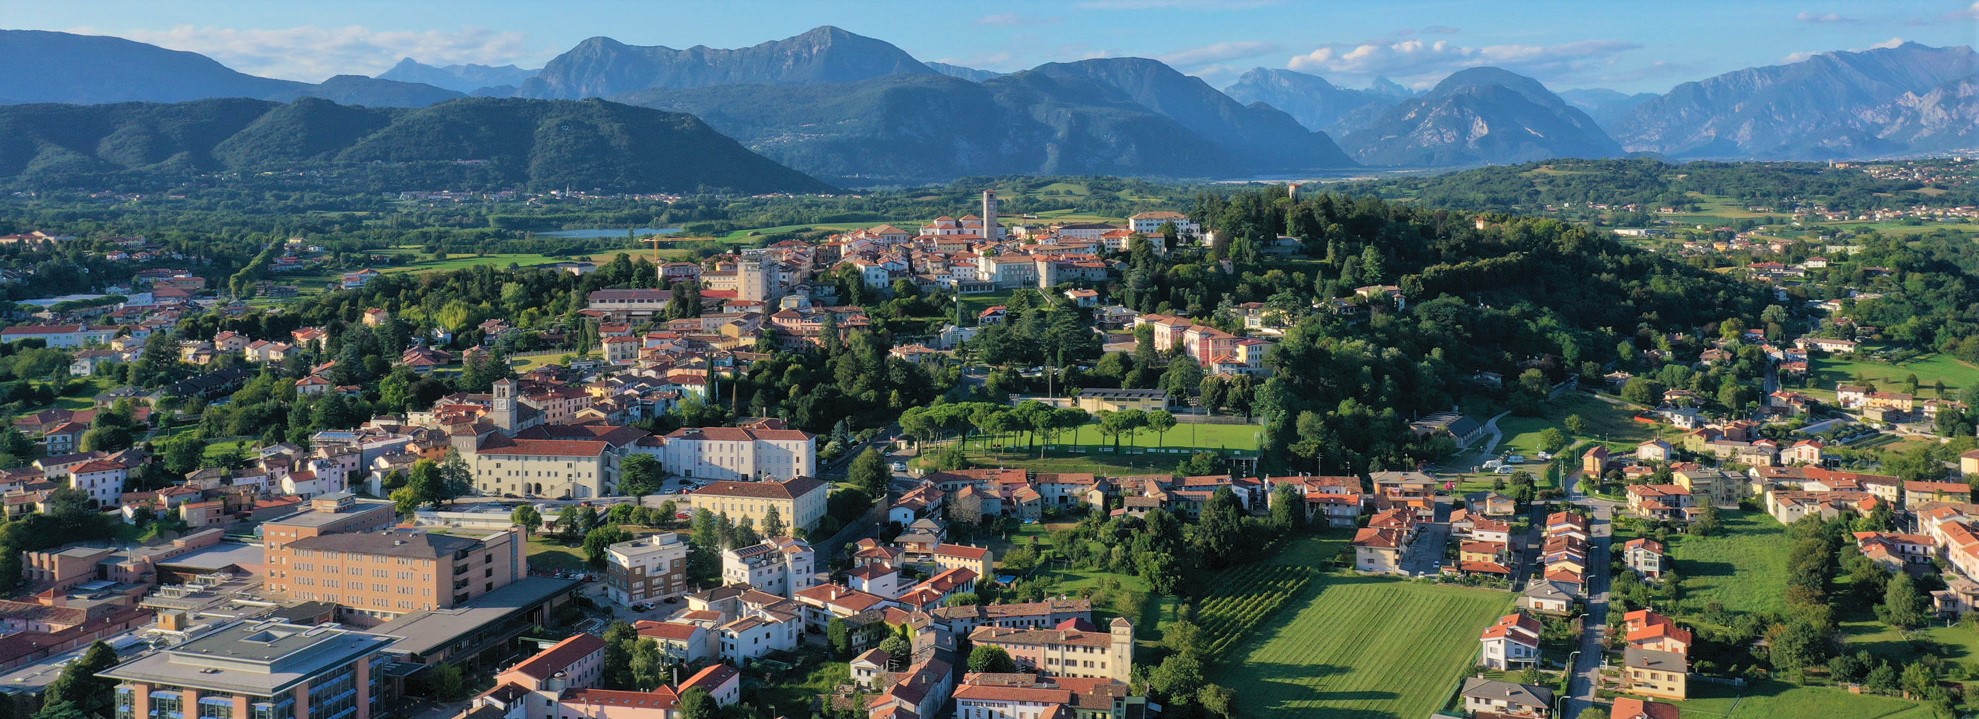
point(1657, 674)
point(798, 501)
point(1098, 400)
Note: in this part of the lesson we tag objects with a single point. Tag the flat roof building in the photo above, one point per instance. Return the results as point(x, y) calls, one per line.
point(260, 670)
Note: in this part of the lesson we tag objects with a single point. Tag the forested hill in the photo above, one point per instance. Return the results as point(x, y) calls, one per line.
point(468, 144)
point(1651, 184)
point(1535, 301)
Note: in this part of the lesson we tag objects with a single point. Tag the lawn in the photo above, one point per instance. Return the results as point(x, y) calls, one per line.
point(1742, 568)
point(1360, 647)
point(1603, 421)
point(1958, 643)
point(84, 394)
point(1768, 699)
point(1931, 368)
point(463, 261)
point(973, 305)
point(549, 555)
point(1241, 598)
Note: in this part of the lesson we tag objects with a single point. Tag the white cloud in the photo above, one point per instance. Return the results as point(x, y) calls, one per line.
point(1011, 19)
point(1827, 17)
point(313, 54)
point(1425, 62)
point(1888, 44)
point(1971, 13)
point(1884, 45)
point(1196, 57)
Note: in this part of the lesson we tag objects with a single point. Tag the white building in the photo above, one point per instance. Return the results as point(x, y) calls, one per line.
point(736, 453)
point(102, 479)
point(782, 566)
point(1149, 223)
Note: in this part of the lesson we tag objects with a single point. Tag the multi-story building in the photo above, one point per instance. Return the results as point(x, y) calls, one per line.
point(1149, 223)
point(377, 576)
point(577, 662)
point(1067, 652)
point(260, 670)
point(799, 501)
point(647, 569)
point(327, 514)
point(782, 566)
point(739, 453)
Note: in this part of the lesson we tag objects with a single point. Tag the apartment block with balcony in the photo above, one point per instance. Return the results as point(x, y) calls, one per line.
point(647, 569)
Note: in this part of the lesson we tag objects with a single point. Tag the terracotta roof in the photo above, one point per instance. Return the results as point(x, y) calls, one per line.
point(661, 698)
point(559, 657)
point(788, 489)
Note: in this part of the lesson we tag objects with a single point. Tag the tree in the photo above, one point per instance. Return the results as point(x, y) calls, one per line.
point(1707, 522)
point(1797, 645)
point(773, 525)
point(597, 540)
point(527, 518)
point(839, 634)
point(1903, 605)
point(456, 480)
point(1183, 637)
point(1288, 508)
point(1552, 439)
point(696, 703)
point(899, 648)
point(640, 475)
point(990, 659)
point(1161, 421)
point(1575, 424)
point(82, 682)
point(1219, 534)
point(406, 500)
point(869, 473)
point(426, 483)
point(619, 638)
point(1178, 676)
point(60, 709)
point(648, 665)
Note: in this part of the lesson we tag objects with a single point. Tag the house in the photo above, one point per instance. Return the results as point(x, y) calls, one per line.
point(1666, 502)
point(1380, 550)
point(1595, 460)
point(1544, 597)
point(1651, 673)
point(1645, 629)
point(1918, 494)
point(1897, 552)
point(1459, 428)
point(1632, 708)
point(1644, 556)
point(1488, 697)
point(1654, 450)
point(1511, 642)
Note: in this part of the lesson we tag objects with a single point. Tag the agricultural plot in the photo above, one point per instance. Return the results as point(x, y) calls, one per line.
point(1360, 648)
point(1243, 597)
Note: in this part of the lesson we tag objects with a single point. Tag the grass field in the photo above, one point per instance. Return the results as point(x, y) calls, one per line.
point(544, 554)
point(1957, 643)
point(1105, 465)
point(1360, 647)
point(1743, 568)
point(1770, 699)
point(1930, 369)
point(1603, 421)
point(1242, 598)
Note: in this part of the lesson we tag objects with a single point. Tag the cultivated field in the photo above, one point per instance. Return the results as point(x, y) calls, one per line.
point(1743, 568)
point(1360, 648)
point(1242, 598)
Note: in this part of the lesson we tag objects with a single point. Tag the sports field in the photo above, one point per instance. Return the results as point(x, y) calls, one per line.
point(1358, 647)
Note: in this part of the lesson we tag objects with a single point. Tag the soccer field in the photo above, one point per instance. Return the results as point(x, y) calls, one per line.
point(1351, 646)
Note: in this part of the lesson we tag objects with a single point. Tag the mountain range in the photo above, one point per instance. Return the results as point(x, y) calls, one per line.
point(471, 143)
point(859, 110)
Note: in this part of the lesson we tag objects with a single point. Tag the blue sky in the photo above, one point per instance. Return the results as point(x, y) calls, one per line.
point(1645, 46)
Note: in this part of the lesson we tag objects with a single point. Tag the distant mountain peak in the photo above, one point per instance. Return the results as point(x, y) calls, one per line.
point(603, 67)
point(1481, 115)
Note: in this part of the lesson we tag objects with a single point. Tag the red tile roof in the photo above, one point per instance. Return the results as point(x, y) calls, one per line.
point(559, 656)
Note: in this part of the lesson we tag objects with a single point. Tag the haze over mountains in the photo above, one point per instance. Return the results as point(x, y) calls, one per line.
point(854, 109)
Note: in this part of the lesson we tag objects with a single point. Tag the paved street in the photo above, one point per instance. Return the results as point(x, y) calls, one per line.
point(1587, 663)
point(1426, 552)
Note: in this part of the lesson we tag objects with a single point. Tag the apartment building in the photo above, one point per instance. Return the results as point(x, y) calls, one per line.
point(782, 566)
point(260, 670)
point(1067, 652)
point(327, 514)
point(799, 501)
point(647, 569)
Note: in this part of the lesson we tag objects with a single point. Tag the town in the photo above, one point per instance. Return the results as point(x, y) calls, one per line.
point(1185, 461)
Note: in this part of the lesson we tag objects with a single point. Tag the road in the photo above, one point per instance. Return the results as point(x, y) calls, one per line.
point(1424, 556)
point(1491, 428)
point(1588, 660)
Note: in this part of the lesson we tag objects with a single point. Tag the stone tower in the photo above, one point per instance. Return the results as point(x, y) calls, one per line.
point(502, 412)
point(990, 230)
